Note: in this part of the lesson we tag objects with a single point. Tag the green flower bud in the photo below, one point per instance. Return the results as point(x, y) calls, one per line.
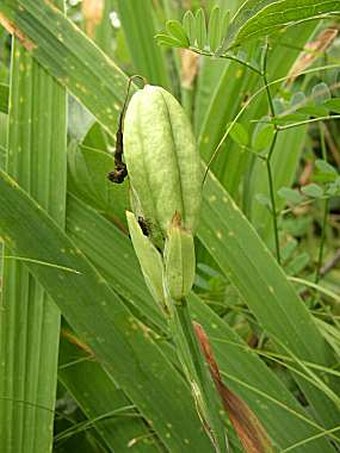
point(162, 160)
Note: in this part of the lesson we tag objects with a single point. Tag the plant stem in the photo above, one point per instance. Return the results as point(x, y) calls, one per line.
point(322, 241)
point(185, 323)
point(272, 198)
point(325, 211)
point(226, 57)
point(309, 121)
point(265, 82)
point(269, 156)
point(206, 398)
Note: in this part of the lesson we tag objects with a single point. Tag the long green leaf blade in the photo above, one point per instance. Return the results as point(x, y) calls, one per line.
point(252, 269)
point(105, 404)
point(139, 27)
point(257, 19)
point(101, 320)
point(67, 53)
point(138, 24)
point(29, 319)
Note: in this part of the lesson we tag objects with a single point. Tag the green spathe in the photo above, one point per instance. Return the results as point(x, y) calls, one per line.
point(162, 159)
point(149, 259)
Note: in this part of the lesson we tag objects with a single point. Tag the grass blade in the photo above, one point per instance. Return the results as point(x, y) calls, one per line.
point(139, 28)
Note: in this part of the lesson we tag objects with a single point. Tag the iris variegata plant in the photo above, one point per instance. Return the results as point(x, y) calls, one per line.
point(166, 176)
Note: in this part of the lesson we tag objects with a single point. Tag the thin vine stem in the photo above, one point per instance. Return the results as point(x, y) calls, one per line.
point(324, 217)
point(277, 129)
point(249, 101)
point(226, 57)
point(265, 81)
point(272, 198)
point(322, 241)
point(196, 371)
point(311, 120)
point(269, 156)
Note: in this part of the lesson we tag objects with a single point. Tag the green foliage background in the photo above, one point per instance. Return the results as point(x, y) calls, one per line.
point(114, 382)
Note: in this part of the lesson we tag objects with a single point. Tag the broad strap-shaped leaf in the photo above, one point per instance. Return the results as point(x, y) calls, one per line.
point(256, 19)
point(249, 265)
point(66, 52)
point(120, 342)
point(139, 28)
point(108, 409)
point(29, 319)
point(240, 279)
point(113, 259)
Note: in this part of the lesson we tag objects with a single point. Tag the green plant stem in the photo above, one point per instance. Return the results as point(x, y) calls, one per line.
point(311, 120)
point(206, 398)
point(185, 322)
point(265, 81)
point(226, 57)
point(322, 141)
point(322, 241)
point(325, 211)
point(270, 153)
point(272, 197)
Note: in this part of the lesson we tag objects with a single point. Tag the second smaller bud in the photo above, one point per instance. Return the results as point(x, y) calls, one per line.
point(179, 260)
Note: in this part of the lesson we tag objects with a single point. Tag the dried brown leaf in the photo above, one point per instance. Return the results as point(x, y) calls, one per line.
point(247, 426)
point(312, 51)
point(93, 14)
point(189, 67)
